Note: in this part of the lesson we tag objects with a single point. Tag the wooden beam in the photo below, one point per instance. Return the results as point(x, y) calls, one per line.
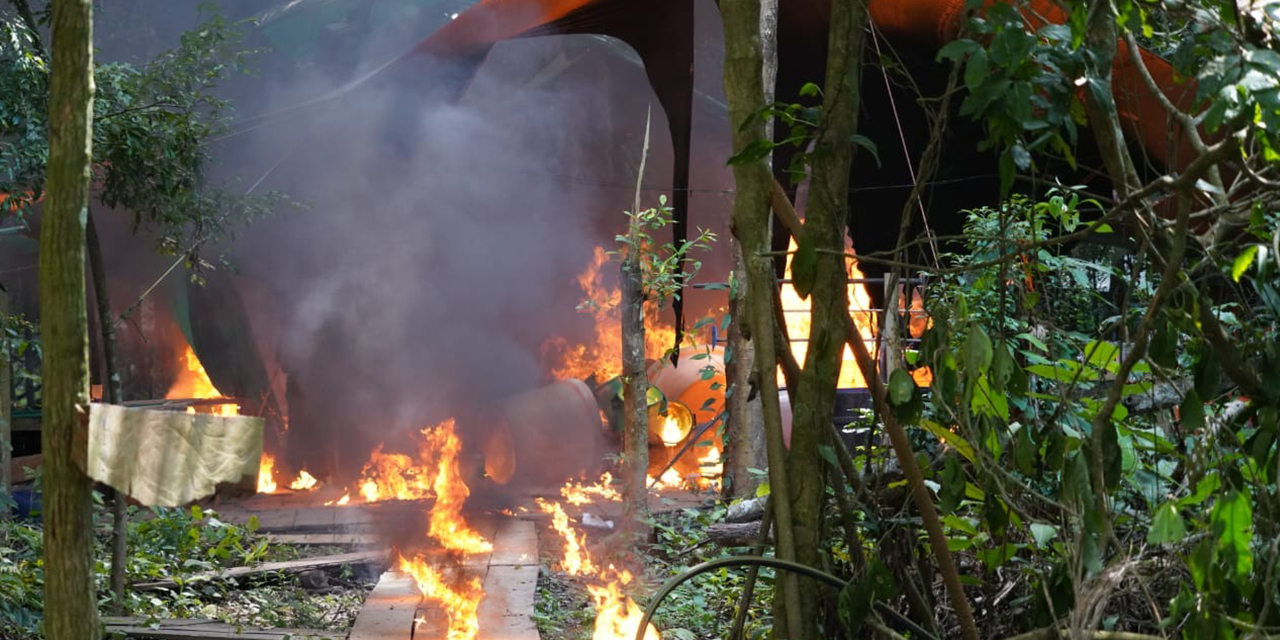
point(292, 566)
point(341, 539)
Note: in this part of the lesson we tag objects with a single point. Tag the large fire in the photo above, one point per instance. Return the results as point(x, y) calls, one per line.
point(617, 615)
point(459, 597)
point(601, 356)
point(457, 593)
point(447, 524)
point(193, 382)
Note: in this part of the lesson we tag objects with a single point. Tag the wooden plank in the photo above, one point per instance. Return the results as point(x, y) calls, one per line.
point(19, 465)
point(305, 564)
point(341, 539)
point(515, 543)
point(212, 630)
point(509, 593)
point(388, 612)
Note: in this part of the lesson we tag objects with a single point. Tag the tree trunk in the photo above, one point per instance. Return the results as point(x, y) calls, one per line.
point(745, 446)
point(744, 91)
point(112, 395)
point(635, 380)
point(6, 401)
point(635, 436)
point(814, 403)
point(744, 425)
point(70, 611)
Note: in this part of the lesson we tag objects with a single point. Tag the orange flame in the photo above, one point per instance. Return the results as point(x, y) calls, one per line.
point(579, 494)
point(193, 382)
point(602, 356)
point(346, 497)
point(305, 482)
point(266, 474)
point(798, 320)
point(710, 464)
point(447, 524)
point(670, 479)
point(461, 600)
point(671, 433)
point(394, 476)
point(576, 562)
point(460, 597)
point(617, 615)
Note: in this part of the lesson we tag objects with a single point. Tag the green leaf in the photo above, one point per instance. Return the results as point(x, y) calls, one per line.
point(1103, 355)
point(827, 454)
point(1167, 526)
point(986, 401)
point(1074, 485)
point(957, 49)
point(868, 144)
point(951, 490)
point(1163, 350)
point(1232, 523)
point(1191, 412)
point(810, 89)
point(977, 350)
point(804, 266)
point(1112, 456)
point(997, 556)
point(956, 442)
point(901, 387)
point(754, 152)
point(976, 71)
point(1043, 533)
point(253, 524)
point(1002, 366)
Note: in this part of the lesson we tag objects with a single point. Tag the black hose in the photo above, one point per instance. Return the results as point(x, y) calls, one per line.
point(731, 561)
point(775, 563)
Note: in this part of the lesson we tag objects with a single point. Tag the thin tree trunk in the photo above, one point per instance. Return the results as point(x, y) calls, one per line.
point(635, 438)
point(635, 398)
point(112, 393)
point(70, 608)
point(745, 447)
point(751, 225)
point(814, 403)
point(6, 401)
point(744, 425)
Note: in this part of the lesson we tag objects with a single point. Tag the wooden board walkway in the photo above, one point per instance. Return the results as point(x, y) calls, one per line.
point(196, 629)
point(325, 539)
point(509, 576)
point(388, 612)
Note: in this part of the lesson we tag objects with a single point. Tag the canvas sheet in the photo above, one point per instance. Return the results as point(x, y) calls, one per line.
point(169, 459)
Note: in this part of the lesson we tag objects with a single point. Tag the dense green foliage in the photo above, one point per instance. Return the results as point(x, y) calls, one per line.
point(174, 544)
point(152, 132)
